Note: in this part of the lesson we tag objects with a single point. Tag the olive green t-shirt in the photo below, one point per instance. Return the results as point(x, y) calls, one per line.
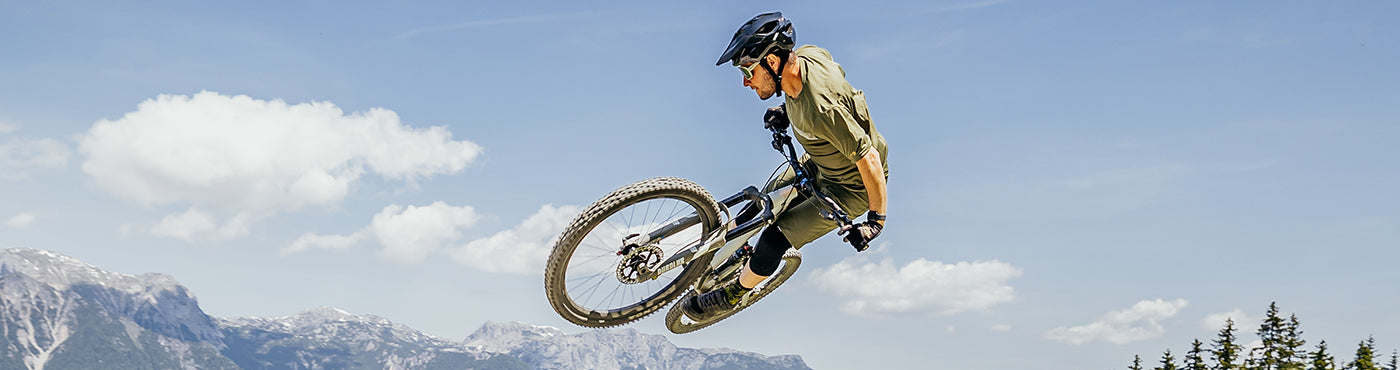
point(829, 118)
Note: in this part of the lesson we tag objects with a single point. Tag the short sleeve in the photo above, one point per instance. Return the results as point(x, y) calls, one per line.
point(844, 132)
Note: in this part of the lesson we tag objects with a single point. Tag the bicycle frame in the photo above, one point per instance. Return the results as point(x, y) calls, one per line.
point(726, 241)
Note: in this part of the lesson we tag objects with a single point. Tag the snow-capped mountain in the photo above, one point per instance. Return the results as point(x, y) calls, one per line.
point(502, 338)
point(327, 323)
point(155, 301)
point(57, 312)
point(549, 348)
point(330, 338)
point(44, 326)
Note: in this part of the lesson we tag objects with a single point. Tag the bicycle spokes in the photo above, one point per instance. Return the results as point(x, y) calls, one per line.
point(607, 273)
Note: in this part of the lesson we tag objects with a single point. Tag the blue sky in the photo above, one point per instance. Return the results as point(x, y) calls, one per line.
point(1071, 182)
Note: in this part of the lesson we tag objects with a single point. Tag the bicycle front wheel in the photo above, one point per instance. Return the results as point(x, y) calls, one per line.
point(594, 280)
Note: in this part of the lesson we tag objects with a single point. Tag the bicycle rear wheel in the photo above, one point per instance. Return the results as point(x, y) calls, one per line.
point(593, 280)
point(679, 323)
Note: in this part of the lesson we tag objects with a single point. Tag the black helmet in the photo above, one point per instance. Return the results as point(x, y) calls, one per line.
point(761, 35)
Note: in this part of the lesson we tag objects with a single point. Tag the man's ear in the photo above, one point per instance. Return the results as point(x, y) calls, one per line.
point(773, 61)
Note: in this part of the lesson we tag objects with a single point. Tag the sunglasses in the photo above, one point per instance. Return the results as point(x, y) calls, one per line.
point(748, 71)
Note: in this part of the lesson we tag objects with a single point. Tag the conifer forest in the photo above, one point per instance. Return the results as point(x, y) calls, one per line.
point(1280, 347)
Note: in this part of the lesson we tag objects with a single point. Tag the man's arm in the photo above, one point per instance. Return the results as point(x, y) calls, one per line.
point(872, 173)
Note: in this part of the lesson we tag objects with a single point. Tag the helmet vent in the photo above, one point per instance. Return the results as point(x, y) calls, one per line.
point(765, 33)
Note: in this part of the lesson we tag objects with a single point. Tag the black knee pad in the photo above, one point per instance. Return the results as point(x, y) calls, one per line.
point(769, 251)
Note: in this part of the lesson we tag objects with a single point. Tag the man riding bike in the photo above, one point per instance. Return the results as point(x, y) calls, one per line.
point(830, 119)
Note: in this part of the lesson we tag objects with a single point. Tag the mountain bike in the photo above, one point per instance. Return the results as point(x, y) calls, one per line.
point(639, 248)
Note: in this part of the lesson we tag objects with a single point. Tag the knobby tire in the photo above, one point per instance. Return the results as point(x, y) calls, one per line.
point(557, 281)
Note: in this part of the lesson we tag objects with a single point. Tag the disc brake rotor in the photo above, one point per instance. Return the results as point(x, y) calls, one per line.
point(641, 261)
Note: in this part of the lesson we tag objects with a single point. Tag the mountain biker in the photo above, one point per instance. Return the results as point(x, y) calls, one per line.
point(831, 121)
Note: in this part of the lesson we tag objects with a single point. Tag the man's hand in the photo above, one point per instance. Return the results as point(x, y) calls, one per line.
point(776, 117)
point(860, 235)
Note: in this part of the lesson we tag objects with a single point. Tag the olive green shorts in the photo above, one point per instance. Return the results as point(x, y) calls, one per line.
point(802, 222)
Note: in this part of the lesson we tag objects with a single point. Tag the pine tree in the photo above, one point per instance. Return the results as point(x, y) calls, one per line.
point(1168, 362)
point(1271, 332)
point(1365, 356)
point(1193, 358)
point(1291, 346)
point(1321, 360)
point(1137, 363)
point(1394, 356)
point(1253, 361)
point(1225, 352)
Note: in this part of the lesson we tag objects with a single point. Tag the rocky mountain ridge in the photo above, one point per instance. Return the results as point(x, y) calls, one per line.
point(549, 348)
point(155, 301)
point(57, 312)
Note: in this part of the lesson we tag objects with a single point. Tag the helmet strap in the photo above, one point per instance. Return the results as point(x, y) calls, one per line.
point(778, 75)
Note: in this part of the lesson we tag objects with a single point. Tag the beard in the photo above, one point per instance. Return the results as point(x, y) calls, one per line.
point(771, 91)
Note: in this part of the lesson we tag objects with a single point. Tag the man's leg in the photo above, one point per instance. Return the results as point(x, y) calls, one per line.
point(800, 224)
point(766, 258)
point(767, 255)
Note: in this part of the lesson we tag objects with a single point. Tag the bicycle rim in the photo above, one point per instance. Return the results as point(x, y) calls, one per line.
point(594, 281)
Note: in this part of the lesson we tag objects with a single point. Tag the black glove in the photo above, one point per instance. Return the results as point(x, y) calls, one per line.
point(776, 117)
point(860, 235)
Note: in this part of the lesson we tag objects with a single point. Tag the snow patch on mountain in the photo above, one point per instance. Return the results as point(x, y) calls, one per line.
point(156, 301)
point(43, 318)
point(329, 323)
point(62, 272)
point(503, 337)
point(550, 348)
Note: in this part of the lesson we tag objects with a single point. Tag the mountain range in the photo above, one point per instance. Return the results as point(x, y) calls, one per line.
point(57, 312)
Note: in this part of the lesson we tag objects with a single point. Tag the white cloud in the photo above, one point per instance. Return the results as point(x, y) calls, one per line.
point(18, 155)
point(410, 234)
point(406, 234)
point(311, 241)
point(1140, 322)
point(20, 221)
point(1001, 327)
point(196, 225)
point(236, 226)
point(920, 287)
point(1244, 323)
point(522, 249)
point(256, 157)
point(185, 226)
point(6, 128)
